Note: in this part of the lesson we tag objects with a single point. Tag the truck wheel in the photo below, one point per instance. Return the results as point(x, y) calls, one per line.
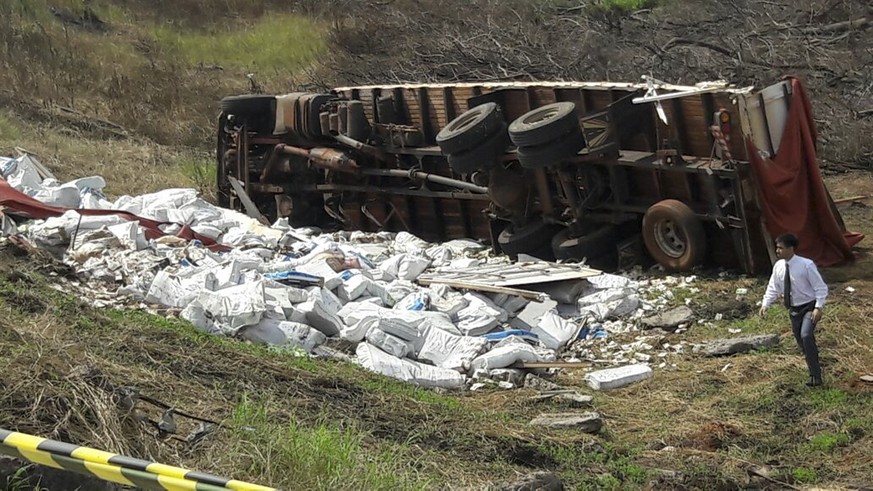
point(469, 129)
point(596, 241)
point(483, 156)
point(673, 235)
point(257, 111)
point(533, 238)
point(551, 153)
point(544, 124)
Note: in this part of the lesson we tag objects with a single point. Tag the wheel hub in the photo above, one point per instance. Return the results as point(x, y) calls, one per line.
point(670, 238)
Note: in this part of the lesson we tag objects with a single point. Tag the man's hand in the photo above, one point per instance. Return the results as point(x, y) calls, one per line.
point(763, 311)
point(816, 315)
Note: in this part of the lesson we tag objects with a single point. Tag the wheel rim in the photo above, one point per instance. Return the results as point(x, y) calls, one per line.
point(465, 122)
point(670, 239)
point(541, 116)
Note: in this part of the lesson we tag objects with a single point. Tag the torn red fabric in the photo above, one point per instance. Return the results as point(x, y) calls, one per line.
point(793, 194)
point(17, 203)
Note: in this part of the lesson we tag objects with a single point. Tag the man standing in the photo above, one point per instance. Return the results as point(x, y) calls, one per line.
point(804, 292)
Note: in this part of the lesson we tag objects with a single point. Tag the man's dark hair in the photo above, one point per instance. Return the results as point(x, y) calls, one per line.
point(788, 240)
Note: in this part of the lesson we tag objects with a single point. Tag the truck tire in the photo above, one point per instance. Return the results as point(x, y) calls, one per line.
point(551, 153)
point(469, 129)
point(674, 235)
point(534, 239)
point(258, 112)
point(597, 241)
point(544, 124)
point(483, 156)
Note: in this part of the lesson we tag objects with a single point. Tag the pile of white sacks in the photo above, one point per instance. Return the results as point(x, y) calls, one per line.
point(298, 287)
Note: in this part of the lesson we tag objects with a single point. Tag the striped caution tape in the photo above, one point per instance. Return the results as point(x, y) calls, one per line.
point(114, 467)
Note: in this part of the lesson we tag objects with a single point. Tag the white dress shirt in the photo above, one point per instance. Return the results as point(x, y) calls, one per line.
point(806, 283)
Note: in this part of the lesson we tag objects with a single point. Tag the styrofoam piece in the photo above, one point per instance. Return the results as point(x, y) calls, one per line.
point(614, 378)
point(504, 355)
point(555, 332)
point(283, 333)
point(376, 360)
point(388, 343)
point(235, 307)
point(448, 350)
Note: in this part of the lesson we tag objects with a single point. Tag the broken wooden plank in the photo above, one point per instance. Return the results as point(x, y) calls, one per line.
point(530, 295)
point(512, 275)
point(852, 199)
point(552, 364)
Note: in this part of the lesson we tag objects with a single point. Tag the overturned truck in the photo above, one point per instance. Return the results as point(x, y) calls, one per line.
point(607, 172)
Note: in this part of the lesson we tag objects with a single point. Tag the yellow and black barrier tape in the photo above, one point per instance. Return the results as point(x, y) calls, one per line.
point(114, 467)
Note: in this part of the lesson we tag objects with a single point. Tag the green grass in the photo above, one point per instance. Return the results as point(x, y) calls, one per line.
point(828, 398)
point(804, 474)
point(9, 130)
point(321, 457)
point(273, 44)
point(202, 172)
point(623, 5)
point(827, 442)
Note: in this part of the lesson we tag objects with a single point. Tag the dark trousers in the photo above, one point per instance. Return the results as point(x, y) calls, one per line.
point(804, 332)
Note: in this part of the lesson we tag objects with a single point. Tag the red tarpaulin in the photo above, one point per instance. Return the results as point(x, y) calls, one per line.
point(793, 193)
point(17, 203)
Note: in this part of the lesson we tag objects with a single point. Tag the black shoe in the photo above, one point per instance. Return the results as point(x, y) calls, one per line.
point(814, 382)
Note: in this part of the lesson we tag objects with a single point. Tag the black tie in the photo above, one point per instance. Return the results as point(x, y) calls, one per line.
point(787, 292)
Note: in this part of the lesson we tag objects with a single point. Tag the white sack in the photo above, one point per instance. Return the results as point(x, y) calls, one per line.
point(447, 350)
point(378, 361)
point(283, 333)
point(555, 332)
point(388, 343)
point(235, 307)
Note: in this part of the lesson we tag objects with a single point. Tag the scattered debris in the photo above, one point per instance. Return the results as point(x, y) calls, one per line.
point(589, 422)
point(538, 481)
point(670, 319)
point(448, 316)
point(614, 378)
point(740, 345)
point(574, 398)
